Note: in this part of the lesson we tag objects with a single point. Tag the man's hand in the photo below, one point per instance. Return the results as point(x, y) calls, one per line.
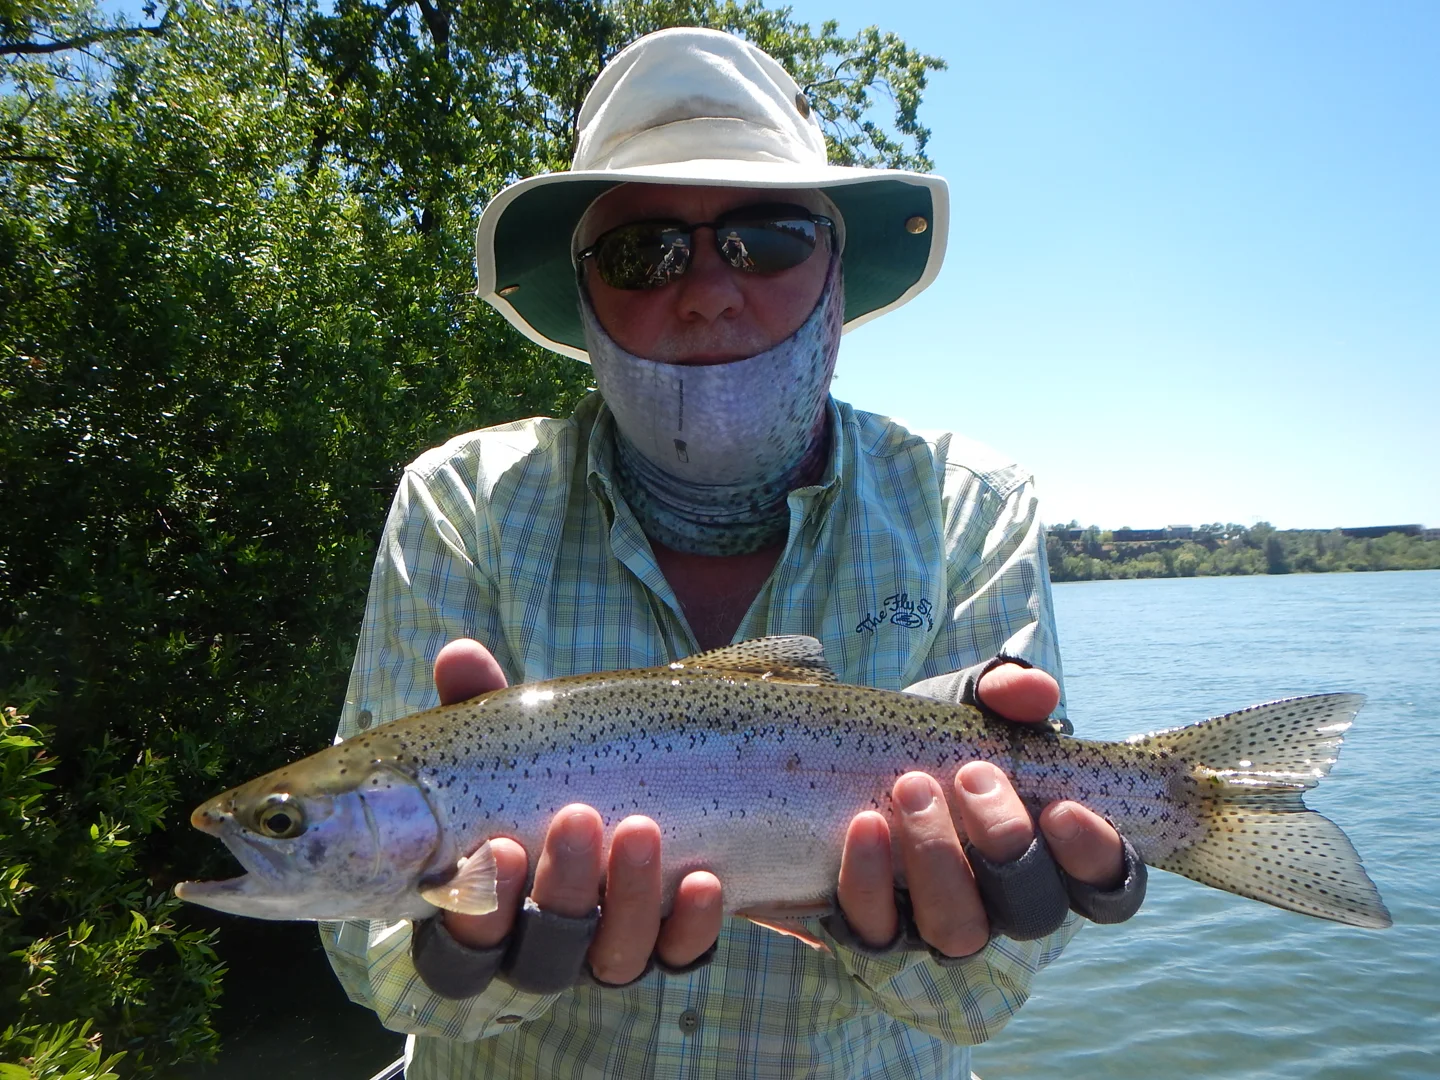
point(569, 870)
point(947, 907)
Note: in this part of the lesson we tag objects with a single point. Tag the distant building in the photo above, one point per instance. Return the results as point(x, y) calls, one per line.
point(1130, 536)
point(1371, 532)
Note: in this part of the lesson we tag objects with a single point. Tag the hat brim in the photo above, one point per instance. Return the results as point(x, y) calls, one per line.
point(523, 256)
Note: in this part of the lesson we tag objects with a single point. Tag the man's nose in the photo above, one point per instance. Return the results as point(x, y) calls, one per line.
point(710, 287)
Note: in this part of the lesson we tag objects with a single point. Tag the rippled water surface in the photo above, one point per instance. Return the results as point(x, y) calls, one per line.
point(1200, 983)
point(1206, 984)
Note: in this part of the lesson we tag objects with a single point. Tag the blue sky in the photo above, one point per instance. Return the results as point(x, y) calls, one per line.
point(1194, 265)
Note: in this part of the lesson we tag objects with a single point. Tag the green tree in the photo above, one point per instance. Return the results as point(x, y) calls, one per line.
point(1277, 560)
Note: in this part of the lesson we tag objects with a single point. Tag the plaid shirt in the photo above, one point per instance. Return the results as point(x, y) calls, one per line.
point(913, 557)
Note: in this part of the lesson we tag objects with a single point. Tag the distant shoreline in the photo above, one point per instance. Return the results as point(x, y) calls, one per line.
point(1096, 554)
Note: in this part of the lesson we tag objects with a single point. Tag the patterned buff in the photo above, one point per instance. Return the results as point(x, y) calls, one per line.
point(707, 454)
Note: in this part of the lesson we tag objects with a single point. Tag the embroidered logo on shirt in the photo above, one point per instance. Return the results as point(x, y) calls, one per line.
point(899, 610)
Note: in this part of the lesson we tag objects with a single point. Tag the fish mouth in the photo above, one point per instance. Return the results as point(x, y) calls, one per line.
point(202, 892)
point(248, 893)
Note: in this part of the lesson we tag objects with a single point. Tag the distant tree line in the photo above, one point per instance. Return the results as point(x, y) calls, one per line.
point(1096, 554)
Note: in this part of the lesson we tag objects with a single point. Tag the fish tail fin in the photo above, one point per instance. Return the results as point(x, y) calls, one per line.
point(1260, 840)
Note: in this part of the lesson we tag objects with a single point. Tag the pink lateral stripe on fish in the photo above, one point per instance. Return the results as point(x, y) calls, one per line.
point(753, 759)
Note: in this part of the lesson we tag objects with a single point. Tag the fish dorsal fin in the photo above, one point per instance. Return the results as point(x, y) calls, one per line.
point(788, 658)
point(1289, 743)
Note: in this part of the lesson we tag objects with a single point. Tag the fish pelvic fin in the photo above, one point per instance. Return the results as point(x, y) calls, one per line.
point(785, 658)
point(1259, 839)
point(786, 918)
point(472, 891)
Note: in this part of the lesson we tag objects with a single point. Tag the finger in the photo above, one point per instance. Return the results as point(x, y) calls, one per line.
point(947, 907)
point(1027, 695)
point(630, 919)
point(867, 881)
point(994, 818)
point(465, 668)
point(694, 922)
point(567, 875)
point(484, 931)
point(1086, 846)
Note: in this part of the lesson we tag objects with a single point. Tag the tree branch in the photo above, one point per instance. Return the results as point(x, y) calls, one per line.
point(37, 48)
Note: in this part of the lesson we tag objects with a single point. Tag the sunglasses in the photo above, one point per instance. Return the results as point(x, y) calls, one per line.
point(764, 239)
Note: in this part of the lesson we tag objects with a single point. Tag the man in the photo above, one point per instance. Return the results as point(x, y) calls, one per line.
point(711, 492)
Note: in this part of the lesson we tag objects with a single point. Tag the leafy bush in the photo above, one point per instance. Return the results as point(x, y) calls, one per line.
point(81, 931)
point(236, 297)
point(66, 1051)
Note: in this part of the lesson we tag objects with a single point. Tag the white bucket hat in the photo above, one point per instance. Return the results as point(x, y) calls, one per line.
point(691, 106)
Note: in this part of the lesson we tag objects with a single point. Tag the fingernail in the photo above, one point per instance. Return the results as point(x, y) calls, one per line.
point(577, 837)
point(706, 899)
point(1063, 824)
point(871, 838)
point(637, 849)
point(915, 794)
point(980, 778)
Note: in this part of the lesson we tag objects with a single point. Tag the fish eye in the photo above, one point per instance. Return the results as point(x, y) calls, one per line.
point(280, 817)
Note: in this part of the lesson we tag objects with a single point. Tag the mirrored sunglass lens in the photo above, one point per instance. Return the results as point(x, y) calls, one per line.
point(769, 247)
point(642, 256)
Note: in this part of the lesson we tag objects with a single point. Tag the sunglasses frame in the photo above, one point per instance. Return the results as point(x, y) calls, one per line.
point(755, 213)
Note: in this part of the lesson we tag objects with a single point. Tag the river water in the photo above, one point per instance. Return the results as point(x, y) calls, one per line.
point(1200, 982)
point(1206, 984)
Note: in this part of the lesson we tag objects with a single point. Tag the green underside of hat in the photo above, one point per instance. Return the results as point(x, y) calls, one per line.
point(534, 273)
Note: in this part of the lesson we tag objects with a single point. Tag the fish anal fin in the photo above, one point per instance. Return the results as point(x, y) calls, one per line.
point(785, 918)
point(787, 658)
point(472, 891)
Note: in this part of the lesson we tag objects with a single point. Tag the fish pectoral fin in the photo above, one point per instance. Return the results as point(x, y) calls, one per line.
point(784, 918)
point(783, 658)
point(472, 891)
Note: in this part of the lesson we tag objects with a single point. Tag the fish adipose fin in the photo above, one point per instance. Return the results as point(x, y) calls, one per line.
point(1260, 840)
point(789, 658)
point(472, 891)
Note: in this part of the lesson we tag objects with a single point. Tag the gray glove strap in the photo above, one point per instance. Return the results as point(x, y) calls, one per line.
point(547, 951)
point(1024, 899)
point(906, 939)
point(962, 687)
point(1119, 903)
point(447, 967)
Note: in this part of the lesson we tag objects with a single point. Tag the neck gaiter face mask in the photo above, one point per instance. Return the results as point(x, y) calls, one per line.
point(707, 454)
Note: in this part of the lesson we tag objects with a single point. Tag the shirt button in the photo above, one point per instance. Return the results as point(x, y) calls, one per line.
point(508, 1018)
point(689, 1022)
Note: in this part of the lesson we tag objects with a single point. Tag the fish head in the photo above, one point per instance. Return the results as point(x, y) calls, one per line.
point(328, 837)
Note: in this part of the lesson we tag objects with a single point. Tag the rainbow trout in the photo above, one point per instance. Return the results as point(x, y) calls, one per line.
point(753, 760)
